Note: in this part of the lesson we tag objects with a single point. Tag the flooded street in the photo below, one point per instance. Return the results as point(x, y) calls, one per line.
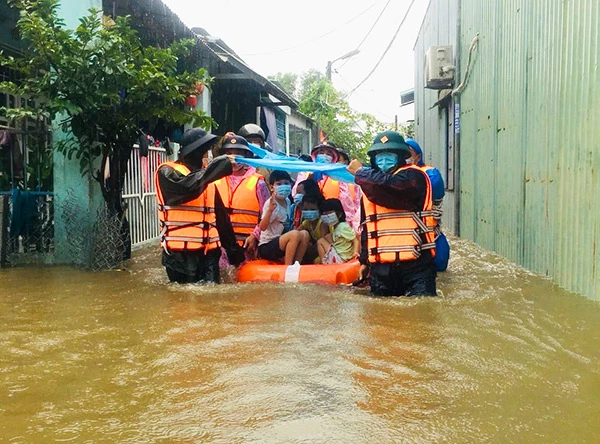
point(123, 356)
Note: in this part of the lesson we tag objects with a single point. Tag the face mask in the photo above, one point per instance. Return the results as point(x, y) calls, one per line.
point(283, 191)
point(386, 161)
point(330, 219)
point(323, 158)
point(298, 198)
point(310, 214)
point(410, 161)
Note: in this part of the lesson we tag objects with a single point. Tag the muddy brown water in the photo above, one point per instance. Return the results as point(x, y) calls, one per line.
point(501, 355)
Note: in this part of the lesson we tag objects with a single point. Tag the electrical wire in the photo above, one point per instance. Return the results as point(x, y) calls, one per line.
point(369, 32)
point(365, 101)
point(386, 50)
point(312, 40)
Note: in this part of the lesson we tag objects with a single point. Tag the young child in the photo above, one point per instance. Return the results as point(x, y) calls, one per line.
point(341, 243)
point(311, 222)
point(276, 242)
point(307, 187)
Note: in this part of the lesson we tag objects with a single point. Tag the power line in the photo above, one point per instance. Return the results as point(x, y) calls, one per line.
point(369, 32)
point(386, 50)
point(366, 102)
point(312, 40)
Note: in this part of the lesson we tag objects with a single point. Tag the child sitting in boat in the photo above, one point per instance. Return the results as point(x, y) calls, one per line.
point(341, 243)
point(276, 241)
point(311, 222)
point(307, 187)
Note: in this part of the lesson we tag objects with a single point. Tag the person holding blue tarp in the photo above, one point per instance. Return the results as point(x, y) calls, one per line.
point(442, 247)
point(398, 235)
point(349, 194)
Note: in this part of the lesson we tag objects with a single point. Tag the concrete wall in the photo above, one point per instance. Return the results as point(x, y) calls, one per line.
point(76, 199)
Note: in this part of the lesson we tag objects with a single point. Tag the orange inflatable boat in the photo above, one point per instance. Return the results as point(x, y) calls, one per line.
point(264, 271)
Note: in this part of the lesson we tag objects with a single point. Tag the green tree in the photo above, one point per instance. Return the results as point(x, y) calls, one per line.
point(102, 85)
point(288, 81)
point(343, 126)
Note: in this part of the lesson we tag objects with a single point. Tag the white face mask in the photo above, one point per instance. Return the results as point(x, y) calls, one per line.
point(410, 161)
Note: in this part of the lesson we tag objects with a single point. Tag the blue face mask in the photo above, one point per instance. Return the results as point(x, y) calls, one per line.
point(283, 191)
point(310, 214)
point(323, 158)
point(386, 161)
point(298, 198)
point(330, 219)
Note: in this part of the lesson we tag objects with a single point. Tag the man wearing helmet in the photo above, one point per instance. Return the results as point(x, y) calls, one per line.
point(244, 194)
point(398, 237)
point(193, 220)
point(442, 248)
point(254, 135)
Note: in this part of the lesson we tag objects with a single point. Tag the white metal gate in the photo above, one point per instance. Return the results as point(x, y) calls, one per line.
point(139, 194)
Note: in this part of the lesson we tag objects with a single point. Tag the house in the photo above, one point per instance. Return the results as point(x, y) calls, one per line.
point(72, 206)
point(506, 97)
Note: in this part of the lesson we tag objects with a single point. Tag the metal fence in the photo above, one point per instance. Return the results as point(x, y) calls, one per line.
point(26, 179)
point(139, 194)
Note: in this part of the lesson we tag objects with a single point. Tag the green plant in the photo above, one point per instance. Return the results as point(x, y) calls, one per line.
point(101, 85)
point(343, 126)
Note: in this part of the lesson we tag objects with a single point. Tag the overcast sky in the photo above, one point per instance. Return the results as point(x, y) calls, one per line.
point(283, 36)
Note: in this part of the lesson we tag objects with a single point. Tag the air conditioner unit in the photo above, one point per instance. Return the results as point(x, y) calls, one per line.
point(439, 67)
point(407, 97)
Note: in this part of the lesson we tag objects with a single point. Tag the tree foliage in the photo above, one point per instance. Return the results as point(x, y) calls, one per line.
point(288, 81)
point(343, 126)
point(99, 80)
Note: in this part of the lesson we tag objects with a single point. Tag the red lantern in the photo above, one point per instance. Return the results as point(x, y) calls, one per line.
point(191, 101)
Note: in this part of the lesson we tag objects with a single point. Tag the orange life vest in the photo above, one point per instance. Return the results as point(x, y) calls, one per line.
point(190, 226)
point(243, 205)
point(331, 188)
point(396, 235)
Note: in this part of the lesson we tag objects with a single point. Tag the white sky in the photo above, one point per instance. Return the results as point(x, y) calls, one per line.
point(282, 36)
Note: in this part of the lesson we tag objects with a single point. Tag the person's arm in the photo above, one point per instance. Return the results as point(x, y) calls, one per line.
point(266, 218)
point(178, 188)
point(234, 253)
point(363, 258)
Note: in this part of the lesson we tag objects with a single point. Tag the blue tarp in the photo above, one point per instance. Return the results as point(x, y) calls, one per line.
point(273, 161)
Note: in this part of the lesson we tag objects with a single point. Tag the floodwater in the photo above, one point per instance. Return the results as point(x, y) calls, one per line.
point(502, 356)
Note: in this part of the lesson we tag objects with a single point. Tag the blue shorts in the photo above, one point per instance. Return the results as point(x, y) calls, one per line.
point(271, 251)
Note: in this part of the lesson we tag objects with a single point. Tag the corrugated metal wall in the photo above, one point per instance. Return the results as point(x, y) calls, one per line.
point(438, 28)
point(530, 135)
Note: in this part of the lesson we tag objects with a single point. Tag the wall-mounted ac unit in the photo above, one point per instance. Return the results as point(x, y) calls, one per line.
point(407, 97)
point(439, 67)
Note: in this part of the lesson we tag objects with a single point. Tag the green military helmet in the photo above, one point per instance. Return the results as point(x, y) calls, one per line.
point(389, 141)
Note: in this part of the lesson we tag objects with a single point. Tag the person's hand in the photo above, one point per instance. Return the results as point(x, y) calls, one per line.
point(231, 158)
point(273, 202)
point(354, 166)
point(250, 245)
point(363, 272)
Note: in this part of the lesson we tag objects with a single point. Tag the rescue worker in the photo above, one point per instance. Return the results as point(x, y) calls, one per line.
point(255, 135)
point(193, 220)
point(349, 194)
point(244, 194)
point(398, 230)
point(442, 248)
